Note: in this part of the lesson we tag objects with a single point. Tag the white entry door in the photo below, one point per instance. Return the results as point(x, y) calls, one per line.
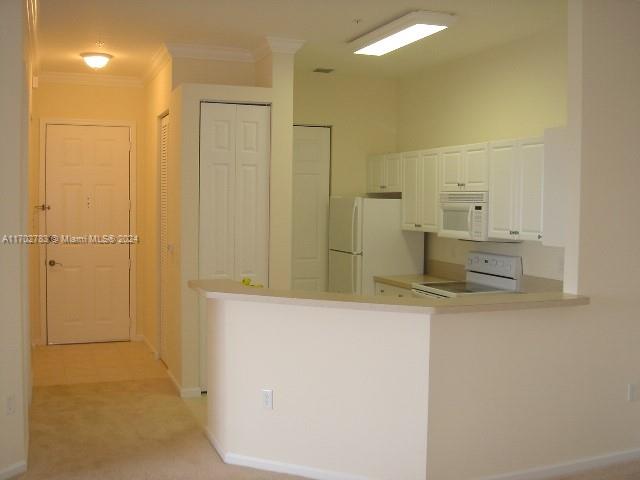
point(311, 170)
point(87, 190)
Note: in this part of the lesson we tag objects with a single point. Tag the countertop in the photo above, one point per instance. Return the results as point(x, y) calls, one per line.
point(226, 289)
point(405, 281)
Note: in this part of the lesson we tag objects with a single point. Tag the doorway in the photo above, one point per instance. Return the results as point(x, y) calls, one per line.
point(86, 187)
point(311, 190)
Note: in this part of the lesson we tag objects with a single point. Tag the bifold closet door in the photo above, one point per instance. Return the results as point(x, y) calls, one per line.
point(253, 148)
point(234, 191)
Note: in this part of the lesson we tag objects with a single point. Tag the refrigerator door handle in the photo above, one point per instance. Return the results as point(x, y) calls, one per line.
point(354, 275)
point(354, 228)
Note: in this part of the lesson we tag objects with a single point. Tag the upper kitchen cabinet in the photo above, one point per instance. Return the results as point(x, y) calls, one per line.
point(465, 168)
point(420, 191)
point(515, 200)
point(384, 173)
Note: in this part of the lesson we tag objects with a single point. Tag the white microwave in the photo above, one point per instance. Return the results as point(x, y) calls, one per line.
point(464, 215)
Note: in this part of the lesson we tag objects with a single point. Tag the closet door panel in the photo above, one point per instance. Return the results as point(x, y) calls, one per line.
point(217, 190)
point(252, 193)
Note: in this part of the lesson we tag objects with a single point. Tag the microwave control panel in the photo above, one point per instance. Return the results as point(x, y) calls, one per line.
point(479, 225)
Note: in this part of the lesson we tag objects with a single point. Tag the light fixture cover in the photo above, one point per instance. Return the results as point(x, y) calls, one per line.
point(96, 60)
point(400, 32)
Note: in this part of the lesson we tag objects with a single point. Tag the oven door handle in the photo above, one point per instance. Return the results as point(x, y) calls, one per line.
point(470, 225)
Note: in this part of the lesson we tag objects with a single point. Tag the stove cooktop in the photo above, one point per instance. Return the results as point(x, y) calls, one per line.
point(452, 289)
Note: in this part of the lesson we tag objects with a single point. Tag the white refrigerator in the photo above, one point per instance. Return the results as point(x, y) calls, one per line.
point(366, 240)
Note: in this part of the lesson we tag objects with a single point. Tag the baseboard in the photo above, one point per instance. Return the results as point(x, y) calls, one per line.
point(13, 470)
point(214, 443)
point(143, 339)
point(568, 468)
point(184, 392)
point(278, 467)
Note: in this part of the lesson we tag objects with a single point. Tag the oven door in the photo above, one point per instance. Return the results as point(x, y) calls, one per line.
point(455, 220)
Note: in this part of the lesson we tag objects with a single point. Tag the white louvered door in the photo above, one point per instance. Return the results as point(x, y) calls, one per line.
point(164, 242)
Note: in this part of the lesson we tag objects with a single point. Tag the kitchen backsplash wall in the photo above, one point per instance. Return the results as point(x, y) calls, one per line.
point(538, 260)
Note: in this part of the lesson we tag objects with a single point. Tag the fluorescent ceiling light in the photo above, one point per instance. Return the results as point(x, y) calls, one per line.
point(96, 60)
point(403, 31)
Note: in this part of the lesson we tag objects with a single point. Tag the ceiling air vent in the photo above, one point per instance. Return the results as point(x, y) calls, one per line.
point(323, 70)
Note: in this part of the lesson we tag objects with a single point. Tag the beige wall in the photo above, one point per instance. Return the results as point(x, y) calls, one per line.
point(514, 90)
point(157, 92)
point(516, 391)
point(350, 388)
point(80, 102)
point(191, 70)
point(14, 340)
point(363, 115)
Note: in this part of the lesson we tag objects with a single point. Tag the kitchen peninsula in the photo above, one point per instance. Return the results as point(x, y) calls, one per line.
point(335, 386)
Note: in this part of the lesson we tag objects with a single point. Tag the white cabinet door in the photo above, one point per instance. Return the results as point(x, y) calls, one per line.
point(451, 169)
point(515, 196)
point(503, 175)
point(556, 186)
point(476, 168)
point(375, 174)
point(530, 191)
point(428, 198)
point(411, 191)
point(392, 173)
point(382, 289)
point(252, 193)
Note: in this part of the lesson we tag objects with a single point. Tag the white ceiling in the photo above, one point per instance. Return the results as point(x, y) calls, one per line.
point(133, 30)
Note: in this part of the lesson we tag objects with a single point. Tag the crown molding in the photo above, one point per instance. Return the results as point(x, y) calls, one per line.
point(270, 45)
point(92, 79)
point(158, 60)
point(205, 52)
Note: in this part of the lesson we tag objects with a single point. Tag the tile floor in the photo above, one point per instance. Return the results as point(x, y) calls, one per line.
point(94, 363)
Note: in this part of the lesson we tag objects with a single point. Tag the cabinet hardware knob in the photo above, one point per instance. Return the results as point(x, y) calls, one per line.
point(383, 186)
point(539, 236)
point(43, 207)
point(53, 263)
point(417, 225)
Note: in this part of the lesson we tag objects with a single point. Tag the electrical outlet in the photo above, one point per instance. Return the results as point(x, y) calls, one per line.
point(631, 392)
point(11, 405)
point(267, 399)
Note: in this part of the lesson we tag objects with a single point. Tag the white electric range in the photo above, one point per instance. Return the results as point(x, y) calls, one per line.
point(486, 273)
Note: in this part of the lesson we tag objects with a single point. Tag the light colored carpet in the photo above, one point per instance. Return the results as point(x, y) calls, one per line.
point(133, 430)
point(141, 430)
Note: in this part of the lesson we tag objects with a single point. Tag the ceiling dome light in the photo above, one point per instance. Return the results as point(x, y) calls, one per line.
point(96, 60)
